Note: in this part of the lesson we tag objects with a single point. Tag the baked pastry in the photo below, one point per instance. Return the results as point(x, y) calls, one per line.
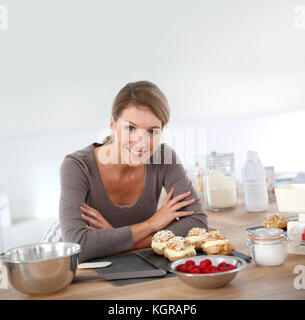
point(214, 235)
point(197, 236)
point(275, 220)
point(179, 248)
point(160, 239)
point(222, 247)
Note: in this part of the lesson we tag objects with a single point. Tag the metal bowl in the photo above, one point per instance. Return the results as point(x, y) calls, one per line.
point(209, 280)
point(41, 268)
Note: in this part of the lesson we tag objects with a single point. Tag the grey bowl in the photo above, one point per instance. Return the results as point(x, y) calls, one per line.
point(41, 268)
point(209, 280)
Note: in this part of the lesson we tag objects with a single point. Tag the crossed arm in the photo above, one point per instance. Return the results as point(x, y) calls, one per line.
point(142, 232)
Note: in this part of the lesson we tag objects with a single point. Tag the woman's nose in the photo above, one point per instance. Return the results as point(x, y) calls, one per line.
point(139, 137)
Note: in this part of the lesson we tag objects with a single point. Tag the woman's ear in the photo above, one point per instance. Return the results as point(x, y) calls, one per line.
point(111, 122)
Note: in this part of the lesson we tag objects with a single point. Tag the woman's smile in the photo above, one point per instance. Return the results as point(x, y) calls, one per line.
point(136, 153)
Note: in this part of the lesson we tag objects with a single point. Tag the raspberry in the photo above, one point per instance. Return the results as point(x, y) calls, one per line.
point(179, 266)
point(204, 270)
point(205, 262)
point(223, 268)
point(222, 264)
point(184, 269)
point(195, 269)
point(231, 267)
point(189, 263)
point(212, 269)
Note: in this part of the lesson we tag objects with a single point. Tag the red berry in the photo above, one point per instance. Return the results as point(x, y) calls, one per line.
point(204, 265)
point(203, 269)
point(222, 264)
point(303, 236)
point(184, 269)
point(195, 269)
point(189, 263)
point(179, 266)
point(231, 267)
point(206, 262)
point(223, 268)
point(212, 268)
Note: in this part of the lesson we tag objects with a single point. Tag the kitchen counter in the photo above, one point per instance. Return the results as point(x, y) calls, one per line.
point(252, 283)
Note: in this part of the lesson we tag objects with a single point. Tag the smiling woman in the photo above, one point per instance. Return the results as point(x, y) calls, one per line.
point(110, 191)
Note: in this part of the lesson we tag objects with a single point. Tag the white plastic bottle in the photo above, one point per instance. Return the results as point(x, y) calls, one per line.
point(255, 186)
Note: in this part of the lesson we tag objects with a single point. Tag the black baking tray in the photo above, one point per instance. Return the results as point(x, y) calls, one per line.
point(125, 263)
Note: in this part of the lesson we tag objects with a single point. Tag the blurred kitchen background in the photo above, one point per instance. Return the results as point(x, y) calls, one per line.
point(235, 68)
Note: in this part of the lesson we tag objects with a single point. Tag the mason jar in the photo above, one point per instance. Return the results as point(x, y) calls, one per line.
point(268, 246)
point(220, 182)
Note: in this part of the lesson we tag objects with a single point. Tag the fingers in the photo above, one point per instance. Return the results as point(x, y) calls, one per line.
point(90, 211)
point(168, 197)
point(90, 228)
point(178, 198)
point(183, 214)
point(182, 204)
point(90, 220)
point(98, 220)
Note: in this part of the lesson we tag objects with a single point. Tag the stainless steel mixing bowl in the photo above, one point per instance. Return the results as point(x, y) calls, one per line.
point(209, 280)
point(41, 268)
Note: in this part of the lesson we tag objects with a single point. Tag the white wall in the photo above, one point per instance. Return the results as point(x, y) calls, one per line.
point(236, 67)
point(62, 62)
point(277, 137)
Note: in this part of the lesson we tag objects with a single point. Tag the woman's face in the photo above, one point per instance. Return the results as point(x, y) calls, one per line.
point(137, 132)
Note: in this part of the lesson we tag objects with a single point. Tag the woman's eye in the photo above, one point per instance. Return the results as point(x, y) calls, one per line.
point(153, 132)
point(130, 128)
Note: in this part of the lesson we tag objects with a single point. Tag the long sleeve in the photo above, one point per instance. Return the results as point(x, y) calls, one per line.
point(74, 191)
point(175, 176)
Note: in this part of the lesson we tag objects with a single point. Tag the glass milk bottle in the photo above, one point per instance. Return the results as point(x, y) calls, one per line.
point(220, 183)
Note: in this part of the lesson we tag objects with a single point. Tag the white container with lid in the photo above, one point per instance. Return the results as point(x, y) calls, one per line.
point(295, 230)
point(268, 247)
point(220, 183)
point(255, 186)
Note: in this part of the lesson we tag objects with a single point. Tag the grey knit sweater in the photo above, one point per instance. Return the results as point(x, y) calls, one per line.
point(81, 183)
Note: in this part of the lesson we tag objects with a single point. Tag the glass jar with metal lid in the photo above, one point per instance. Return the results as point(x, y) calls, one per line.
point(220, 183)
point(268, 246)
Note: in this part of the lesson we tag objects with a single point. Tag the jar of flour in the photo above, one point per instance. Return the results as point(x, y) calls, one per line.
point(220, 182)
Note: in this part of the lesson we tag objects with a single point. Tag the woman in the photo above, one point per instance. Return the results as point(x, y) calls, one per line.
point(110, 191)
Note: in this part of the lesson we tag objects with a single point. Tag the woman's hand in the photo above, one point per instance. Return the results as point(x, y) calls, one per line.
point(98, 220)
point(168, 211)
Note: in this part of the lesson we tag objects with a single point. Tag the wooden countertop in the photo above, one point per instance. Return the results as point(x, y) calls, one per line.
point(252, 283)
